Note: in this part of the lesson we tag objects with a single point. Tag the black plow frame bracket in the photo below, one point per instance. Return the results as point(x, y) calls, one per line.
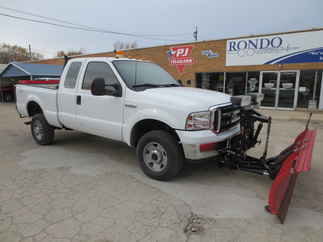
point(235, 151)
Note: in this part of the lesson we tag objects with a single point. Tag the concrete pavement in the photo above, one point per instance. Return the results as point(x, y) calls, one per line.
point(85, 188)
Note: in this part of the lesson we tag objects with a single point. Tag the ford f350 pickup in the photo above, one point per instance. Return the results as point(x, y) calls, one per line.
point(135, 102)
point(139, 103)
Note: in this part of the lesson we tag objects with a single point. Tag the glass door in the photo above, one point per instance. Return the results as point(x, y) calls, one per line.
point(287, 89)
point(268, 86)
point(279, 89)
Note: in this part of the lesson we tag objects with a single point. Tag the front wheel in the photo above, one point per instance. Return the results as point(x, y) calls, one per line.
point(41, 130)
point(160, 156)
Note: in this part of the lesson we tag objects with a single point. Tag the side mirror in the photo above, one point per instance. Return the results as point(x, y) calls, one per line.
point(112, 90)
point(98, 87)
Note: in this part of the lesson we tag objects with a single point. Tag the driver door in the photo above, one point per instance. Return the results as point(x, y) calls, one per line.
point(99, 115)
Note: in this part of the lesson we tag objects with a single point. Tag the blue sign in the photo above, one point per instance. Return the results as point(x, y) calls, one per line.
point(313, 55)
point(210, 54)
point(301, 47)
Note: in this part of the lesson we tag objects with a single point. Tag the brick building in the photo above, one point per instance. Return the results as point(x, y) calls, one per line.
point(286, 67)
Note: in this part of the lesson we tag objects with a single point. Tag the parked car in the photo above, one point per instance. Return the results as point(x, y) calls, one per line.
point(135, 102)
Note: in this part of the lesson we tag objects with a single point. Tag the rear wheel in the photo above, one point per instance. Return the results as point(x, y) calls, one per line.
point(41, 130)
point(160, 156)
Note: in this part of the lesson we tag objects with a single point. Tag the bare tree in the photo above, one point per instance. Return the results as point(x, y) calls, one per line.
point(120, 45)
point(133, 45)
point(9, 53)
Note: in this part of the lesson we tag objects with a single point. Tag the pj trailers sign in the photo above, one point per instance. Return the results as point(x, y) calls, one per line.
point(180, 56)
point(276, 49)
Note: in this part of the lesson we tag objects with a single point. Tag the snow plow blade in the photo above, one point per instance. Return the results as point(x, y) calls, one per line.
point(297, 158)
point(283, 168)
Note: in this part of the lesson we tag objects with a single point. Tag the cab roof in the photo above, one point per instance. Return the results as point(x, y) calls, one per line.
point(110, 59)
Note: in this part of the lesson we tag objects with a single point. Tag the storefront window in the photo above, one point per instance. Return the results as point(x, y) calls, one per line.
point(253, 82)
point(318, 86)
point(287, 86)
point(269, 88)
point(210, 80)
point(217, 81)
point(198, 80)
point(309, 89)
point(235, 83)
point(206, 81)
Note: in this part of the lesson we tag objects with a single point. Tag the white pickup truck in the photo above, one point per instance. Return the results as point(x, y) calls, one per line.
point(135, 102)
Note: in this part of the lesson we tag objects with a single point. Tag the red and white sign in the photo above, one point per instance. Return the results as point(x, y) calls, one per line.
point(179, 56)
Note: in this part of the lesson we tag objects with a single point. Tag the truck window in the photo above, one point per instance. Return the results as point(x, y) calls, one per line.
point(72, 74)
point(98, 70)
point(139, 72)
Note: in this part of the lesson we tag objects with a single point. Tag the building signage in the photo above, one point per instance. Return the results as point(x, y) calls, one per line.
point(276, 49)
point(210, 54)
point(180, 56)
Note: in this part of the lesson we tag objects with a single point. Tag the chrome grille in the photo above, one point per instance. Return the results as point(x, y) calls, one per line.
point(225, 118)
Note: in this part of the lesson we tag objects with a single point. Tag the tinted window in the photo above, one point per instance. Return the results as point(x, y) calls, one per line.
point(310, 80)
point(72, 73)
point(98, 70)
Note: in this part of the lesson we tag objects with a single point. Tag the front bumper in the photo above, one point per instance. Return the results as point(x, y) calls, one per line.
point(191, 141)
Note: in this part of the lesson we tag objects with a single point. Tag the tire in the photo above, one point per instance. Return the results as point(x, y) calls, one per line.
point(160, 155)
point(42, 132)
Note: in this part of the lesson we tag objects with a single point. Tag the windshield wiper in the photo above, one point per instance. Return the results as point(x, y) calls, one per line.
point(146, 85)
point(170, 85)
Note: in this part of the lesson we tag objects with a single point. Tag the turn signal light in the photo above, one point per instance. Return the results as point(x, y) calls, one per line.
point(207, 147)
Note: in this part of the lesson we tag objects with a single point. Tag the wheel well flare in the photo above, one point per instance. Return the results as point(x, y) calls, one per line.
point(33, 108)
point(147, 125)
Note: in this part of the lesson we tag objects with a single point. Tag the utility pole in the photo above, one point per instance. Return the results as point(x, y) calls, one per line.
point(29, 46)
point(195, 33)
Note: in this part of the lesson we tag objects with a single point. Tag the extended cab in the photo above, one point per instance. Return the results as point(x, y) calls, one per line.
point(135, 102)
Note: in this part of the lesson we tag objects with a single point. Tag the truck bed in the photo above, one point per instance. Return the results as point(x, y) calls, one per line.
point(44, 95)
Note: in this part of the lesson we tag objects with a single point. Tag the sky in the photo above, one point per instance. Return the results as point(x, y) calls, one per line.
point(171, 21)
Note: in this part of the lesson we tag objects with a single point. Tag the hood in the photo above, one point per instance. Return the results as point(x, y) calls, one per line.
point(193, 99)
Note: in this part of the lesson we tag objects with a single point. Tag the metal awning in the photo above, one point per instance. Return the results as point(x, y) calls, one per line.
point(21, 69)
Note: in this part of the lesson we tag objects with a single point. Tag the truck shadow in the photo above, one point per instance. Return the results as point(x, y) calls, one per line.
point(206, 171)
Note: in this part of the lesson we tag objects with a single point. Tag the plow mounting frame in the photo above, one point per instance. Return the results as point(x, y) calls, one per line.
point(282, 168)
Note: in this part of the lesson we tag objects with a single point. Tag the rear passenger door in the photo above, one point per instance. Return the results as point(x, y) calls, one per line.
point(67, 97)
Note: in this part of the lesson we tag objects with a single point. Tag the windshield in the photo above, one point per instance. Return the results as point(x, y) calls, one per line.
point(139, 74)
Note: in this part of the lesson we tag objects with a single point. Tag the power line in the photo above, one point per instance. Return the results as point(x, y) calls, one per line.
point(87, 27)
point(40, 16)
point(84, 29)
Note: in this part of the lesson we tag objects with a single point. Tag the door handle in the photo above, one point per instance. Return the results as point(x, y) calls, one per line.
point(78, 100)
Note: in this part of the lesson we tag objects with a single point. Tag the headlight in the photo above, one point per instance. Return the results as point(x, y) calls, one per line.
point(198, 121)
